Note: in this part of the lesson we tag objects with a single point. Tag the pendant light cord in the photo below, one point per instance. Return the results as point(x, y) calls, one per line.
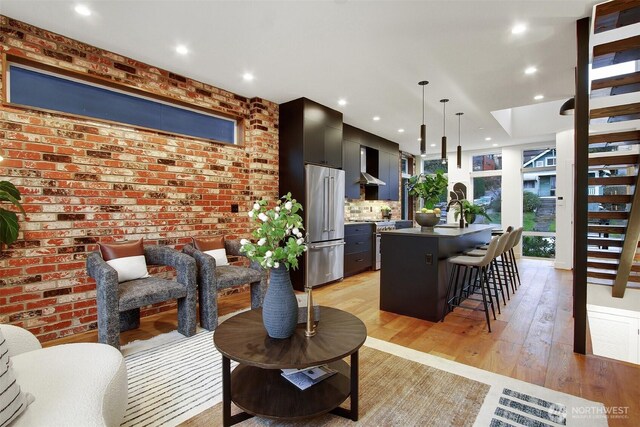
point(423, 103)
point(459, 117)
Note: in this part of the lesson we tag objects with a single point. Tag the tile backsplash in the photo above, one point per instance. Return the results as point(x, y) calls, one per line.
point(359, 210)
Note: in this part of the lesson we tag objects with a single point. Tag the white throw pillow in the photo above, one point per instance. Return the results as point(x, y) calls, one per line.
point(12, 400)
point(130, 268)
point(220, 255)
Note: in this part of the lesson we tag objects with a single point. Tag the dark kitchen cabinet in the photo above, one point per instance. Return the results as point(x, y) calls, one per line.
point(313, 130)
point(358, 250)
point(351, 166)
point(389, 172)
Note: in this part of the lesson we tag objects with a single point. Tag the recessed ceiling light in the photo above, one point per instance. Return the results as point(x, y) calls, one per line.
point(480, 128)
point(495, 145)
point(538, 97)
point(400, 130)
point(82, 10)
point(248, 77)
point(530, 70)
point(423, 155)
point(488, 138)
point(518, 29)
point(182, 49)
point(342, 102)
point(376, 118)
point(432, 145)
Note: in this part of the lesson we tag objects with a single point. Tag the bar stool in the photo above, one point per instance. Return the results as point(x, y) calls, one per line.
point(512, 255)
point(502, 279)
point(479, 266)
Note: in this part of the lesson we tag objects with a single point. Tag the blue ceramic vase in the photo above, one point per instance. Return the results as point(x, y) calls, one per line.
point(280, 306)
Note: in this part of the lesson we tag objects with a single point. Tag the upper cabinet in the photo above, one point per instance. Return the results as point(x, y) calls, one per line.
point(351, 161)
point(313, 130)
point(389, 172)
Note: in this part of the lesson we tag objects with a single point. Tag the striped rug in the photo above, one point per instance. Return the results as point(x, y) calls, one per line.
point(174, 380)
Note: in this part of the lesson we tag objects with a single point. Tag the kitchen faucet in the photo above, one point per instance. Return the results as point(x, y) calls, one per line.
point(453, 202)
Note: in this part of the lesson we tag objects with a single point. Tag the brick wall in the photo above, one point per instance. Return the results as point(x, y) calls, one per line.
point(85, 181)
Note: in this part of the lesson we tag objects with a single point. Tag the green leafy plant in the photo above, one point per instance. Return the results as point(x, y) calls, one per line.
point(9, 220)
point(469, 209)
point(385, 208)
point(429, 188)
point(530, 201)
point(278, 236)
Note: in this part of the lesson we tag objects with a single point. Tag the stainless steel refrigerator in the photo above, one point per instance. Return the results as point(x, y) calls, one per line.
point(324, 219)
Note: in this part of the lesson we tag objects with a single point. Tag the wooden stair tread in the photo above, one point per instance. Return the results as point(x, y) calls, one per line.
point(603, 254)
point(608, 8)
point(603, 265)
point(612, 229)
point(613, 180)
point(631, 136)
point(605, 241)
point(616, 81)
point(616, 52)
point(608, 215)
point(616, 110)
point(614, 198)
point(624, 159)
point(611, 276)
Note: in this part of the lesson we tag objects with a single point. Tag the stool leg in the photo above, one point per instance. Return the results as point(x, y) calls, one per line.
point(497, 271)
point(447, 302)
point(483, 278)
point(515, 265)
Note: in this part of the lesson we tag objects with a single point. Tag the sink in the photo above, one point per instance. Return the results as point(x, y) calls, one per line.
point(447, 226)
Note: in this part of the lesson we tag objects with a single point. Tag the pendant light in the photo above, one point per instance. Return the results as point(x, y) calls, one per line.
point(423, 127)
point(459, 150)
point(443, 156)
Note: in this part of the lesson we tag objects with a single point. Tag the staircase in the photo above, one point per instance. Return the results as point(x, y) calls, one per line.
point(613, 228)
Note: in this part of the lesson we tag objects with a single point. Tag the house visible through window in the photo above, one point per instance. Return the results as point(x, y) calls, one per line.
point(40, 89)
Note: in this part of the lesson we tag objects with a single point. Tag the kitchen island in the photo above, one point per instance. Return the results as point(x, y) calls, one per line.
point(414, 271)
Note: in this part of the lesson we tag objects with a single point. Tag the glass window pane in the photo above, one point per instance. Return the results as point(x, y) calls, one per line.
point(487, 162)
point(539, 190)
point(539, 246)
point(431, 166)
point(487, 192)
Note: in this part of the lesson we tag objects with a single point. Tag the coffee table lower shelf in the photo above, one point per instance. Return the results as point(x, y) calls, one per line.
point(265, 393)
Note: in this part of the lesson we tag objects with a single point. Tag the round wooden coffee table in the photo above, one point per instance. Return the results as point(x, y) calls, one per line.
point(256, 385)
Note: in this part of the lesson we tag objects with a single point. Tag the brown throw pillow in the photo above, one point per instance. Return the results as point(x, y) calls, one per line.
point(126, 258)
point(213, 246)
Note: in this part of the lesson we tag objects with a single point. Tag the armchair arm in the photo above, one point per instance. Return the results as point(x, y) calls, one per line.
point(184, 264)
point(206, 265)
point(19, 340)
point(232, 247)
point(106, 277)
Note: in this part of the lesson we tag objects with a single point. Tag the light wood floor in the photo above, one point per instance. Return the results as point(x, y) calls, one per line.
point(532, 340)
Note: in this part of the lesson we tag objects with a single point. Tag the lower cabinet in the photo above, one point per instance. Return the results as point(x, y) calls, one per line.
point(358, 250)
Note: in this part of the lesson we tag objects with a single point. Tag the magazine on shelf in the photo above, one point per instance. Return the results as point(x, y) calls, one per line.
point(305, 378)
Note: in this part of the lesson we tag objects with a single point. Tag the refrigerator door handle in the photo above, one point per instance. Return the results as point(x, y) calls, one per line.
point(327, 245)
point(332, 190)
point(325, 202)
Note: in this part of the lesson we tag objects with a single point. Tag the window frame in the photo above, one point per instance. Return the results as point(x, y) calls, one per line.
point(122, 88)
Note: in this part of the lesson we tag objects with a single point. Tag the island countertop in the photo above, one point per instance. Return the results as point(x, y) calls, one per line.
point(448, 230)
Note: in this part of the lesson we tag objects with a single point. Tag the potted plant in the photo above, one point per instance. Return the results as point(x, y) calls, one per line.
point(429, 188)
point(278, 242)
point(470, 212)
point(386, 211)
point(9, 226)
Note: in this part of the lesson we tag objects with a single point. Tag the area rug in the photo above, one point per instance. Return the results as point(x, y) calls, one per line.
point(174, 380)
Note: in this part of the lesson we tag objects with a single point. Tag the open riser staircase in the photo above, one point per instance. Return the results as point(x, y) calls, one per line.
point(613, 227)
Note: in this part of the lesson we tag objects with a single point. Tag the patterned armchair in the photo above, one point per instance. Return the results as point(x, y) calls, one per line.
point(119, 303)
point(212, 278)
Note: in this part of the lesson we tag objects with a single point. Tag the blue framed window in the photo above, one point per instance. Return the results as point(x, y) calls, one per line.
point(35, 88)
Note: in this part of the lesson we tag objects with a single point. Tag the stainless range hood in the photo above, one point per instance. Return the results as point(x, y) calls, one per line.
point(367, 178)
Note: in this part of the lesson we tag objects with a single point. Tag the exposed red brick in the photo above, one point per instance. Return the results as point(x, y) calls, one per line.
point(85, 181)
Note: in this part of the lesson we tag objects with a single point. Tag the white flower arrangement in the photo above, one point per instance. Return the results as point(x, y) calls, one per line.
point(279, 237)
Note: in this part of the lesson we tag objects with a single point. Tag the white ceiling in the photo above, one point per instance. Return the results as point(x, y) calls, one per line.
point(372, 53)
